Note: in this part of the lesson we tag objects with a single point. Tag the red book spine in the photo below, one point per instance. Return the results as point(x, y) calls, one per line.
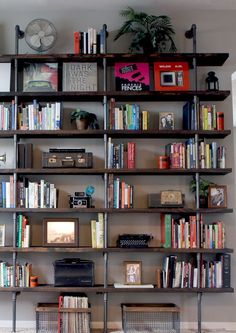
point(131, 155)
point(76, 42)
point(220, 121)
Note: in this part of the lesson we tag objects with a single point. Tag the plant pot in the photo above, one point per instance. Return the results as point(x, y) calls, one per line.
point(82, 124)
point(203, 202)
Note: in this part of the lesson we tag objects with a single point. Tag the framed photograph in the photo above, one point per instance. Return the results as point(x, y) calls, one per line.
point(217, 196)
point(40, 77)
point(166, 121)
point(60, 232)
point(2, 234)
point(133, 271)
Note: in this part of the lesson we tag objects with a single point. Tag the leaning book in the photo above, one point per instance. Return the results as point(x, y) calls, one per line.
point(132, 76)
point(80, 76)
point(40, 77)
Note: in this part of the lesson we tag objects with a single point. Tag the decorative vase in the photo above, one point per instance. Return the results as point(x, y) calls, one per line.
point(82, 124)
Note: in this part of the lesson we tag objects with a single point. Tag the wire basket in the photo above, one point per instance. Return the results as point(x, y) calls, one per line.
point(150, 318)
point(47, 318)
point(51, 319)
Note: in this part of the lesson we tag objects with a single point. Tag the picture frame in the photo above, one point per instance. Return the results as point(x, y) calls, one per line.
point(2, 234)
point(133, 272)
point(217, 196)
point(60, 232)
point(166, 121)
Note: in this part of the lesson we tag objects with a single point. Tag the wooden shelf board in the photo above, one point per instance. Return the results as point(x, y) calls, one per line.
point(183, 172)
point(114, 133)
point(117, 211)
point(100, 171)
point(166, 134)
point(203, 59)
point(168, 95)
point(40, 249)
point(111, 289)
point(96, 96)
point(169, 250)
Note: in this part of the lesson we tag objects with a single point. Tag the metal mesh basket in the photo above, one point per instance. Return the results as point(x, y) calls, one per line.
point(47, 318)
point(150, 318)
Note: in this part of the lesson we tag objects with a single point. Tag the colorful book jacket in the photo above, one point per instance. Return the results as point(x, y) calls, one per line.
point(132, 76)
point(40, 77)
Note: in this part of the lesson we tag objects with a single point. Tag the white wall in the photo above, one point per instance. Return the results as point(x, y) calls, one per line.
point(215, 33)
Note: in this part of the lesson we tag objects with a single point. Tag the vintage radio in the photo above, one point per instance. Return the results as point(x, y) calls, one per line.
point(73, 272)
point(67, 158)
point(80, 200)
point(166, 199)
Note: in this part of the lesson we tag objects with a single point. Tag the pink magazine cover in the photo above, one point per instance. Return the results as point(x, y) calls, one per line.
point(132, 76)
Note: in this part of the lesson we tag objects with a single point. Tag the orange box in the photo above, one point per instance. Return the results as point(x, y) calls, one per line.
point(171, 76)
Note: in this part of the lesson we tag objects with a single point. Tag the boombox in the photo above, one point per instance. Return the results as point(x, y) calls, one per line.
point(67, 158)
point(80, 200)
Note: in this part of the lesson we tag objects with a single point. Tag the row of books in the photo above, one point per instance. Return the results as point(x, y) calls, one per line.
point(127, 117)
point(97, 232)
point(89, 42)
point(178, 273)
point(35, 117)
point(207, 118)
point(120, 194)
point(40, 194)
point(23, 273)
point(7, 116)
point(73, 322)
point(22, 231)
point(183, 155)
point(121, 155)
point(181, 233)
point(210, 119)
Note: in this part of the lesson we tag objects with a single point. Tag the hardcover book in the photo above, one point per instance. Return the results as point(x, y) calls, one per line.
point(132, 76)
point(80, 76)
point(40, 77)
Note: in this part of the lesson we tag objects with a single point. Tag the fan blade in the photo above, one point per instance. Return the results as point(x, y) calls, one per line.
point(47, 41)
point(34, 28)
point(35, 41)
point(48, 30)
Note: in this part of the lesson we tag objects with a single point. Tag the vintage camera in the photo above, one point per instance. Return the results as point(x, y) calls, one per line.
point(80, 200)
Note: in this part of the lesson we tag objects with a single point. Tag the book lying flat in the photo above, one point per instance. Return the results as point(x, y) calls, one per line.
point(120, 285)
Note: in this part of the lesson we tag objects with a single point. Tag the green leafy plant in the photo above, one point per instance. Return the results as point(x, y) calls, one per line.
point(151, 33)
point(203, 186)
point(90, 118)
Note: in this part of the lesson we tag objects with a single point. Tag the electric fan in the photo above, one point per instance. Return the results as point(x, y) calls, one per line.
point(40, 35)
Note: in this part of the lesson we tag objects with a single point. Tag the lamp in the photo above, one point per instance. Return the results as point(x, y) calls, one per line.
point(212, 82)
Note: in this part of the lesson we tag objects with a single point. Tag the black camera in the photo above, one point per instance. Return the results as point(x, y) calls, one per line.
point(80, 200)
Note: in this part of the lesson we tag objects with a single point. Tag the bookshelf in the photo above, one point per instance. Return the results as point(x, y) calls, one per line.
point(103, 96)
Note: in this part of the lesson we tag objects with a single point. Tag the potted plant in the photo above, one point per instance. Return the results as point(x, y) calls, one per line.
point(203, 190)
point(151, 33)
point(84, 119)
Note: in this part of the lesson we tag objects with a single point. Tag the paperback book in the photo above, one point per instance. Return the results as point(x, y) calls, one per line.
point(40, 77)
point(132, 76)
point(80, 76)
